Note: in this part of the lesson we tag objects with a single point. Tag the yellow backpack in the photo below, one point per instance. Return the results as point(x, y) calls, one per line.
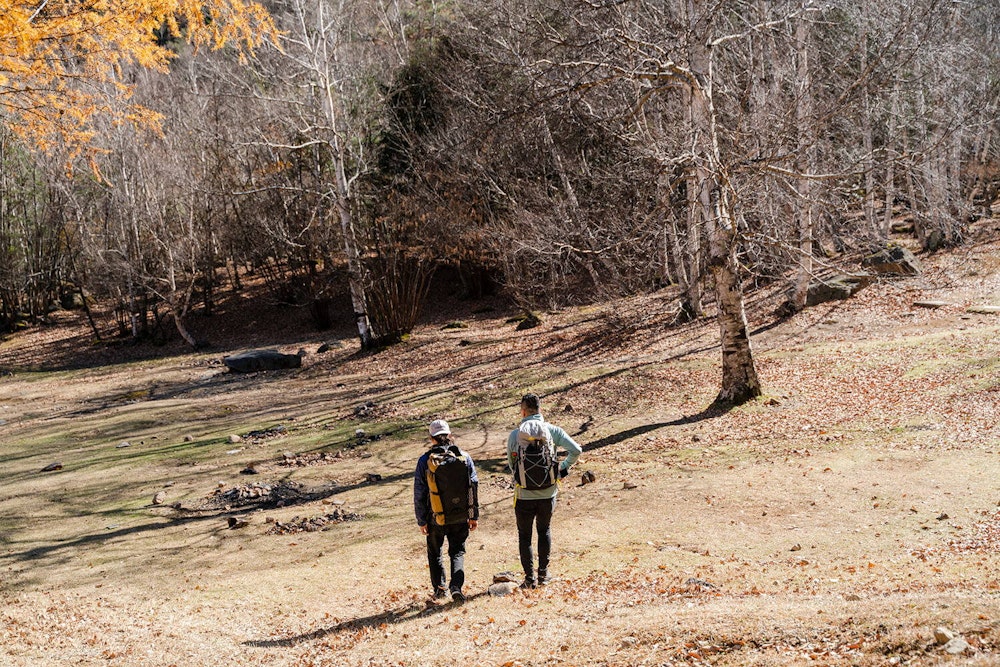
point(450, 488)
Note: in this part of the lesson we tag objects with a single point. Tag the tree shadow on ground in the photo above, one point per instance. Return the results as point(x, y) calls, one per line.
point(710, 412)
point(411, 612)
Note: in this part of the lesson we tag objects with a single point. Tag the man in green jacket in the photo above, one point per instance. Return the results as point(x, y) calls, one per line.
point(535, 502)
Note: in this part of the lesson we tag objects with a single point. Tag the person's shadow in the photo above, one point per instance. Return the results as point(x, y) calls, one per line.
point(414, 611)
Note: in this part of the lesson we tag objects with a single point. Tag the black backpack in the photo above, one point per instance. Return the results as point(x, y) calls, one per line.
point(450, 489)
point(535, 462)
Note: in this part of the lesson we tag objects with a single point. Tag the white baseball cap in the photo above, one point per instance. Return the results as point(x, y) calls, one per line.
point(439, 427)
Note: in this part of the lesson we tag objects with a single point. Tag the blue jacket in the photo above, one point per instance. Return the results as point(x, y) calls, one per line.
point(560, 439)
point(422, 492)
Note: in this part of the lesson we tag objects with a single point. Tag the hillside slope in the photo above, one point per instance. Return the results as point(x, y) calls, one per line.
point(841, 519)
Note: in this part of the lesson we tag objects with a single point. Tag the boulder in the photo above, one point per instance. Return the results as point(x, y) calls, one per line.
point(261, 360)
point(529, 321)
point(893, 260)
point(836, 288)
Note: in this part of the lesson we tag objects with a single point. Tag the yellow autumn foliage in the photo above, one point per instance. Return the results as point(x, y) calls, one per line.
point(61, 61)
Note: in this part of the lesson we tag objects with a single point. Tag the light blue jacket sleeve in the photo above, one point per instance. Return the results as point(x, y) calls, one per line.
point(511, 446)
point(561, 439)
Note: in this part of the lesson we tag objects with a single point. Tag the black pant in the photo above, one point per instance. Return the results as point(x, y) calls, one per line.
point(529, 512)
point(456, 533)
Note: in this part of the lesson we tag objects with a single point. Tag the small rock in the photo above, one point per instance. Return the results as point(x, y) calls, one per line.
point(169, 484)
point(587, 477)
point(238, 522)
point(325, 347)
point(957, 646)
point(364, 409)
point(221, 484)
point(984, 310)
point(53, 466)
point(852, 597)
point(630, 485)
point(505, 578)
point(233, 439)
point(123, 445)
point(188, 438)
point(159, 498)
point(796, 547)
point(249, 470)
point(628, 642)
point(943, 516)
point(505, 588)
point(373, 477)
point(943, 635)
point(568, 407)
point(692, 582)
point(930, 304)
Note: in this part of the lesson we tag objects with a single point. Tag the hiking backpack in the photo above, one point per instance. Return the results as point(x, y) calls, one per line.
point(450, 489)
point(535, 462)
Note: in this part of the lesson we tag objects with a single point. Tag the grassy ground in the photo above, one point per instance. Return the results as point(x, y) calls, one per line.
point(839, 520)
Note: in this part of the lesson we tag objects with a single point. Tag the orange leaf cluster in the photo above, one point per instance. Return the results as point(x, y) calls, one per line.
point(62, 61)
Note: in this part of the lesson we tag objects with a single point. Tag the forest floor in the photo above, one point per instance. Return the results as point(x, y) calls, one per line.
point(839, 520)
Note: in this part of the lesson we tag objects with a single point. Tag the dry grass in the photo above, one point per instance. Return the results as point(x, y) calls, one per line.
point(839, 521)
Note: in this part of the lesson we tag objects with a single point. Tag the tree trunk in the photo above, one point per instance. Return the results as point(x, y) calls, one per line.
point(355, 275)
point(806, 165)
point(739, 376)
point(342, 199)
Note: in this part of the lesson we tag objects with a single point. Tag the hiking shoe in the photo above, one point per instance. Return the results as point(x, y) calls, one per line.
point(543, 577)
point(528, 583)
point(458, 596)
point(440, 593)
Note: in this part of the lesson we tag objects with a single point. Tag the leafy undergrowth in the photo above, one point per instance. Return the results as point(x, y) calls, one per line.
point(839, 520)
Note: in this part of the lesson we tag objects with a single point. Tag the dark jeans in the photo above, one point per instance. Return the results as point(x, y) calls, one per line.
point(456, 533)
point(539, 513)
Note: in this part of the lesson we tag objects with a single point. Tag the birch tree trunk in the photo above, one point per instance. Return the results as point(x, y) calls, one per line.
point(739, 375)
point(321, 33)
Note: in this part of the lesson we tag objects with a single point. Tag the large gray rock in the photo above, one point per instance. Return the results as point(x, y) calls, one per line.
point(893, 260)
point(836, 288)
point(261, 360)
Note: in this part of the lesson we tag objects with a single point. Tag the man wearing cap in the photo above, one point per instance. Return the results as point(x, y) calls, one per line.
point(533, 507)
point(446, 504)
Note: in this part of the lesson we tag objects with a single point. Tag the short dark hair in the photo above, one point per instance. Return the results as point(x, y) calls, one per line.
point(531, 402)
